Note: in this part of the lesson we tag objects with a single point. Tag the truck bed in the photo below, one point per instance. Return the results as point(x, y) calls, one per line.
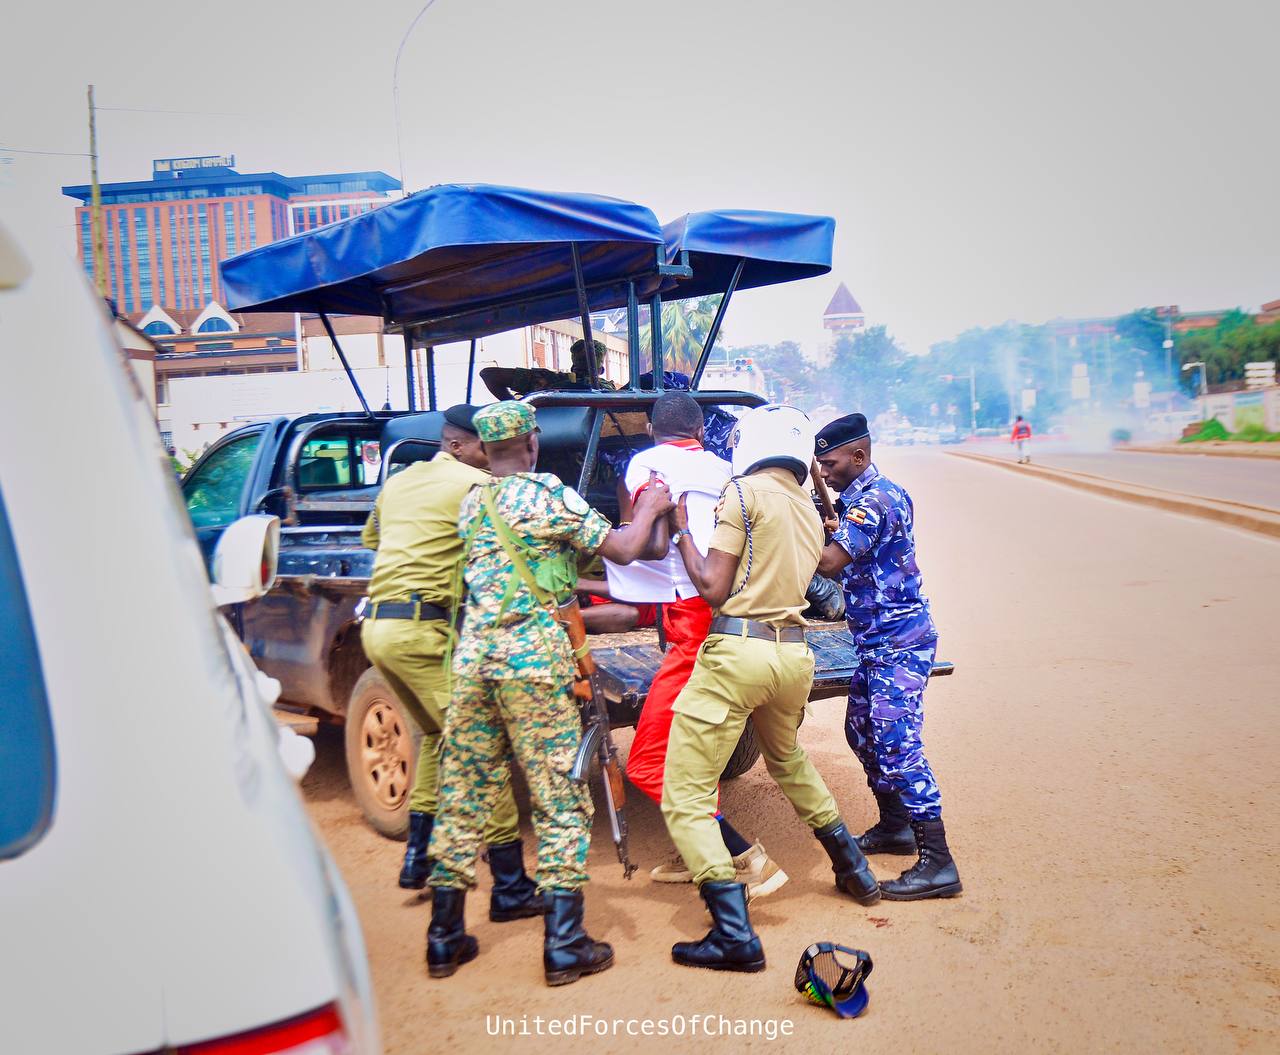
point(628, 662)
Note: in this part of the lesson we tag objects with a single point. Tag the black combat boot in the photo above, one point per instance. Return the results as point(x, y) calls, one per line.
point(892, 833)
point(934, 875)
point(449, 945)
point(416, 868)
point(730, 944)
point(853, 874)
point(568, 951)
point(515, 895)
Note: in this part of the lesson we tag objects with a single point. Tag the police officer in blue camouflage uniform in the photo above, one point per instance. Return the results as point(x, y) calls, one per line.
point(873, 552)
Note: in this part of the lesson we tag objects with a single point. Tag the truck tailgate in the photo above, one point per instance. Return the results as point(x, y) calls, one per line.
point(627, 669)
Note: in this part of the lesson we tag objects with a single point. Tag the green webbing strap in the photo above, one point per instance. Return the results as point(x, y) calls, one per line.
point(512, 547)
point(515, 549)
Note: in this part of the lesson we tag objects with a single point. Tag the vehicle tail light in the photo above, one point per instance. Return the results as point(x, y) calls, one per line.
point(318, 1032)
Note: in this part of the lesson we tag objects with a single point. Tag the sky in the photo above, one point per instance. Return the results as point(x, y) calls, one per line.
point(984, 161)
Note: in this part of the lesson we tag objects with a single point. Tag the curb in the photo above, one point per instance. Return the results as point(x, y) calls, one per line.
point(1209, 448)
point(1259, 519)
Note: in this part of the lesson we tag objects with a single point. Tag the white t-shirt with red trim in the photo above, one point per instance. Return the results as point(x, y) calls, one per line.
point(686, 468)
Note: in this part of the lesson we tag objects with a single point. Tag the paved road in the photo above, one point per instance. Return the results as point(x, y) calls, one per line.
point(1106, 754)
point(1252, 480)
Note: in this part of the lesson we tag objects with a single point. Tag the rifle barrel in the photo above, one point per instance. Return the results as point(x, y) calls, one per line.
point(820, 488)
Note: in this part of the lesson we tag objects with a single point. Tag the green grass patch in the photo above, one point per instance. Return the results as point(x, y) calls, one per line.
point(1255, 434)
point(1212, 429)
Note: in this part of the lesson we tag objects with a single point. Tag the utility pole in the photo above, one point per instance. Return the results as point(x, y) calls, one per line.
point(95, 210)
point(973, 402)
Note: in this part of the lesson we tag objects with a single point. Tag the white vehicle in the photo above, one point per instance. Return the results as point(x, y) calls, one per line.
point(161, 889)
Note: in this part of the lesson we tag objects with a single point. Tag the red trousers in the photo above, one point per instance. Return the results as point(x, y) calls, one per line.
point(686, 624)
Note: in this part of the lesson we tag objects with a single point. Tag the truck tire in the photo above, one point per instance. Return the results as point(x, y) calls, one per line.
point(382, 754)
point(744, 754)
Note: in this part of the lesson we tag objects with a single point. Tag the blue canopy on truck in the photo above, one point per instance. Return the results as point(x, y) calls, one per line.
point(458, 261)
point(771, 246)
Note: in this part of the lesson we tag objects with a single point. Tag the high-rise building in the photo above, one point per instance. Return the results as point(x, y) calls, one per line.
point(165, 236)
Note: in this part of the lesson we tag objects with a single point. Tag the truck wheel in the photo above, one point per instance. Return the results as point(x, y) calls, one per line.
point(382, 753)
point(744, 755)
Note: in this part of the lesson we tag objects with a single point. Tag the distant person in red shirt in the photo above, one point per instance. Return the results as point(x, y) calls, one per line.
point(1021, 436)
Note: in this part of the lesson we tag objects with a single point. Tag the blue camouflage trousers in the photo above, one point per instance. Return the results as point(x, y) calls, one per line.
point(883, 725)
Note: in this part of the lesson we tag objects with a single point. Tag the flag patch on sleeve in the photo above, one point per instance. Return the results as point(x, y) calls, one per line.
point(856, 516)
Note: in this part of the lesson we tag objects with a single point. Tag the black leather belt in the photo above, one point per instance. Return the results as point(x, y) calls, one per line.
point(406, 610)
point(735, 627)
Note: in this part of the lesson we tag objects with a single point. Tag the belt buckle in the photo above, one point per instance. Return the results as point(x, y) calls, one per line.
point(362, 609)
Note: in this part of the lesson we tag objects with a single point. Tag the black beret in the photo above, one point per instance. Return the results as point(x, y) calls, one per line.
point(460, 416)
point(848, 429)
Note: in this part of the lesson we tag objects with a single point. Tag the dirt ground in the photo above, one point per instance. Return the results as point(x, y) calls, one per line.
point(1107, 754)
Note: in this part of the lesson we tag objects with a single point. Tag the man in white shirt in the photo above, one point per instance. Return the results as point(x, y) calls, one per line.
point(680, 461)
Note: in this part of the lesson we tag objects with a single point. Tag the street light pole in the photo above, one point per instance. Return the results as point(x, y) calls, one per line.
point(95, 209)
point(395, 87)
point(1204, 385)
point(973, 402)
point(973, 397)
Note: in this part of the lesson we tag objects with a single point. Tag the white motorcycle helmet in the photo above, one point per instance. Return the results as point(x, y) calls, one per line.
point(771, 435)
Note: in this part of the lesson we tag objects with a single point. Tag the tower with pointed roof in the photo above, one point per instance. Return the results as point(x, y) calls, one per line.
point(844, 314)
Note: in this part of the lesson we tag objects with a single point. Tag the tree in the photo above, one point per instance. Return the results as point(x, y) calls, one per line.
point(867, 371)
point(1144, 329)
point(685, 325)
point(1226, 348)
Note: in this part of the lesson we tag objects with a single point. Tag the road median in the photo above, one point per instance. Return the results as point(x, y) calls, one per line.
point(1261, 519)
point(1216, 448)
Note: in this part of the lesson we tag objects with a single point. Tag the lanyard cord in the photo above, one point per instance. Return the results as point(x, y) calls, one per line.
point(746, 527)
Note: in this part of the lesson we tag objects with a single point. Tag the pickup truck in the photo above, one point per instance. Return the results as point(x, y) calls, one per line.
point(320, 474)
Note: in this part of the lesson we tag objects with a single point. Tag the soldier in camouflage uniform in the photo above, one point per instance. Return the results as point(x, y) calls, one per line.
point(872, 550)
point(512, 688)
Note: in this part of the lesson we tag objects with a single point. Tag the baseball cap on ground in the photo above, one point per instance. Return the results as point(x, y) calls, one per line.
point(834, 976)
point(504, 421)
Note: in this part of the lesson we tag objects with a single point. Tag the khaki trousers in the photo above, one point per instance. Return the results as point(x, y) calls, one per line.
point(737, 678)
point(410, 654)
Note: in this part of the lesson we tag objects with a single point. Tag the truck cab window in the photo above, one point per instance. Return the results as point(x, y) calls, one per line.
point(213, 489)
point(338, 462)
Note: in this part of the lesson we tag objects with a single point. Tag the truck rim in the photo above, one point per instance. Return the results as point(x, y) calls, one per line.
point(387, 746)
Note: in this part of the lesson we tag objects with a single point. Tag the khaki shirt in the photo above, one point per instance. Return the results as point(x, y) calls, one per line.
point(786, 543)
point(414, 528)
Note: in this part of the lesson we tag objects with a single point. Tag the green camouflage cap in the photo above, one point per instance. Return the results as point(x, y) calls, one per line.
point(504, 421)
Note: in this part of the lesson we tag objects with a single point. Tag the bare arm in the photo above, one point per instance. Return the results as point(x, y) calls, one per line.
point(834, 560)
point(659, 541)
point(713, 574)
point(638, 539)
point(495, 379)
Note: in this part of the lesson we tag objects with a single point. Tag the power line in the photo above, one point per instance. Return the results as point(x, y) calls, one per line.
point(50, 153)
point(189, 113)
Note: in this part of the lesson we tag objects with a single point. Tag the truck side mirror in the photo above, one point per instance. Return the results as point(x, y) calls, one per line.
point(244, 563)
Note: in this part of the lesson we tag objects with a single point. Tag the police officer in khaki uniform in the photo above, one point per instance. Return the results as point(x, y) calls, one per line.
point(754, 664)
point(406, 635)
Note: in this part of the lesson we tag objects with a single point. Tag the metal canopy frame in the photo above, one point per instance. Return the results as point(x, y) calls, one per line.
point(582, 291)
point(602, 401)
point(705, 355)
point(342, 356)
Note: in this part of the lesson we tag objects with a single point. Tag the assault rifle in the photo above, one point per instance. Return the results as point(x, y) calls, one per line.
point(597, 743)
